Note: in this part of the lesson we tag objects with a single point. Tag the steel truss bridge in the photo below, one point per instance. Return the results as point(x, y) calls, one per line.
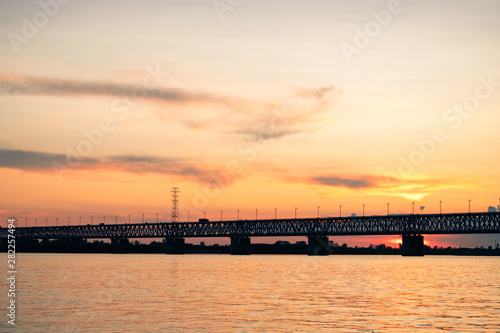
point(473, 223)
point(414, 224)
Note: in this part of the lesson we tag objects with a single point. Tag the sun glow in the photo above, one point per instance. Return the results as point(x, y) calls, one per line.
point(413, 196)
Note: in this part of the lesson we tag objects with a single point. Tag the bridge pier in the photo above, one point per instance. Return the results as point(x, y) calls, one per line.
point(413, 245)
point(175, 246)
point(318, 246)
point(240, 245)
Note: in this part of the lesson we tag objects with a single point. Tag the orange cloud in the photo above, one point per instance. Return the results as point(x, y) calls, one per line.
point(44, 162)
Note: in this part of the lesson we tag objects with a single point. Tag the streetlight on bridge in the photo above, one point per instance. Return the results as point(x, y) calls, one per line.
point(318, 212)
point(363, 210)
point(388, 204)
point(295, 212)
point(340, 208)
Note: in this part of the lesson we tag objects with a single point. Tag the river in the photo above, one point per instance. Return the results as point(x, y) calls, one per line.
point(257, 293)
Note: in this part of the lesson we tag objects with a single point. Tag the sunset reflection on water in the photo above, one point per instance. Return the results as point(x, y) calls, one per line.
point(257, 293)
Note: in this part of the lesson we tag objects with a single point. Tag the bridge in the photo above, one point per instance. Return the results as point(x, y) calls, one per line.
point(410, 227)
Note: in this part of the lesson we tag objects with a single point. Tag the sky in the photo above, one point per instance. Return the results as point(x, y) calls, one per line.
point(249, 105)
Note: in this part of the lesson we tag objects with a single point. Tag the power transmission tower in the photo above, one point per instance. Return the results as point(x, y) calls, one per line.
point(175, 204)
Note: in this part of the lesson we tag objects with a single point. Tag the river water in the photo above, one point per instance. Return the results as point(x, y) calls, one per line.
point(257, 293)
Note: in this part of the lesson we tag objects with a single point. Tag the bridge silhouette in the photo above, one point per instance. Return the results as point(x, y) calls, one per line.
point(411, 227)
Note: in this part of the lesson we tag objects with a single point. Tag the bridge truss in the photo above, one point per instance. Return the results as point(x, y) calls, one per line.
point(463, 223)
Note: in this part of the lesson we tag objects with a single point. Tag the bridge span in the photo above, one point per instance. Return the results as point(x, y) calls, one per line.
point(410, 227)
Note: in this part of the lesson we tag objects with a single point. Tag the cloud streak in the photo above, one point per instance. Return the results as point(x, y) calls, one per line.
point(353, 183)
point(414, 189)
point(43, 162)
point(28, 85)
point(32, 160)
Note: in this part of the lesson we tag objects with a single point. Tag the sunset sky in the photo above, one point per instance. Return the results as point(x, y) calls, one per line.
point(245, 105)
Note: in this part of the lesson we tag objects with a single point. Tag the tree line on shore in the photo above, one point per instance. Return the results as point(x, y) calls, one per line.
point(280, 247)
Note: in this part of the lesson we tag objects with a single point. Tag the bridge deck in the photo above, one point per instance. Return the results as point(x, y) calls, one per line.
point(463, 223)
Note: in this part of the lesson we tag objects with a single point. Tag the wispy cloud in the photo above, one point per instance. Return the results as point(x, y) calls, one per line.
point(32, 160)
point(317, 94)
point(410, 189)
point(276, 121)
point(43, 162)
point(28, 85)
point(354, 183)
point(255, 120)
